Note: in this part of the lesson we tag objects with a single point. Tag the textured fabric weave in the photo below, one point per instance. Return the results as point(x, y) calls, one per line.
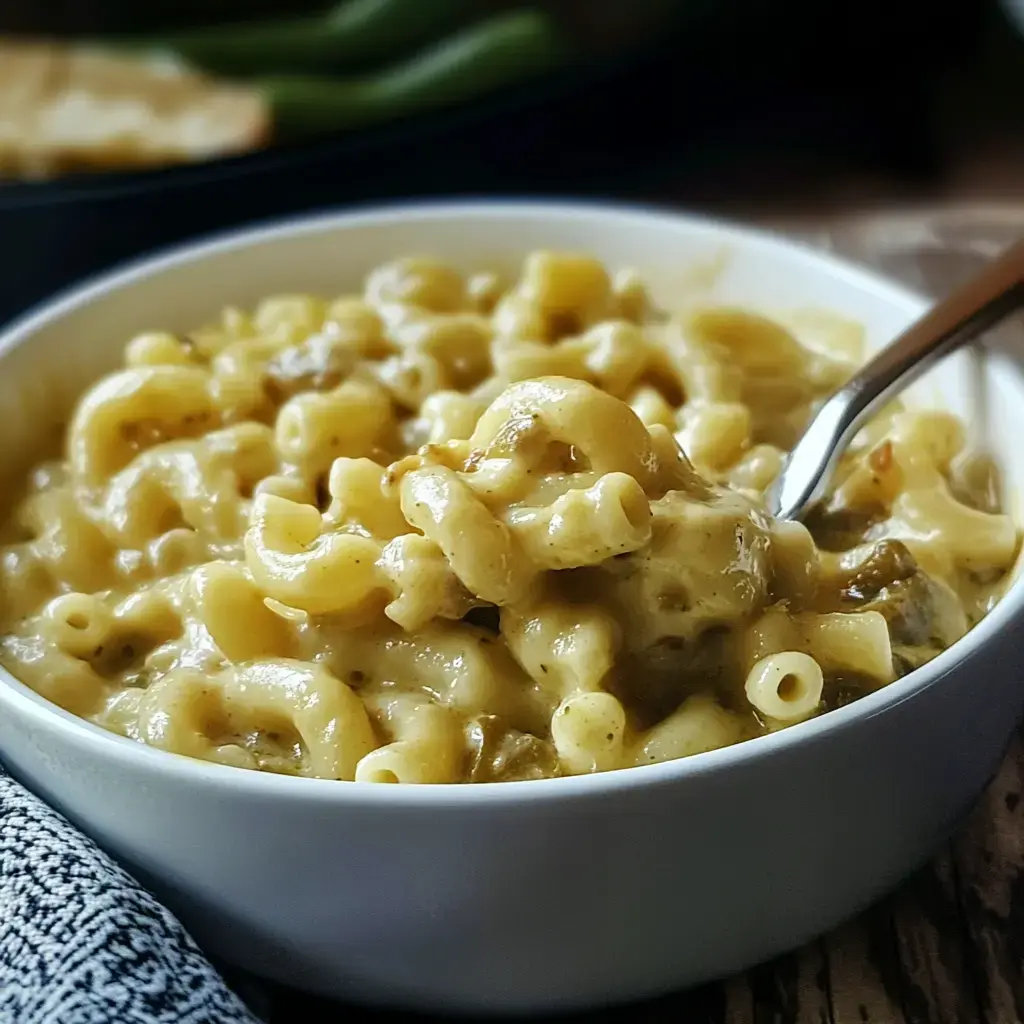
point(81, 942)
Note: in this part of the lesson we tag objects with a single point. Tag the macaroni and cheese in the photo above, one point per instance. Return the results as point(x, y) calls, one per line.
point(457, 530)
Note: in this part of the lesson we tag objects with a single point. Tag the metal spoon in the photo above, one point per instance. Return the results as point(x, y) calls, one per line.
point(972, 309)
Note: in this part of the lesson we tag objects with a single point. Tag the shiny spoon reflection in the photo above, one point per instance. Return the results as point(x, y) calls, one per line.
point(975, 307)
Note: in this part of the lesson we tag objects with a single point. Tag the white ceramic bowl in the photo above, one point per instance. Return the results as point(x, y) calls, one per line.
point(534, 895)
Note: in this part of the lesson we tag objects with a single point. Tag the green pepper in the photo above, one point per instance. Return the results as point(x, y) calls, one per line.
point(354, 32)
point(493, 53)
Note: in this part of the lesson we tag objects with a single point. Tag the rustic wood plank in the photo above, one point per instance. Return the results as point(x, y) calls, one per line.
point(792, 989)
point(864, 970)
point(989, 855)
point(937, 985)
point(738, 1000)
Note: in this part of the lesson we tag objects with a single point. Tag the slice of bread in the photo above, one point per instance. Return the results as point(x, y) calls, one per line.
point(64, 109)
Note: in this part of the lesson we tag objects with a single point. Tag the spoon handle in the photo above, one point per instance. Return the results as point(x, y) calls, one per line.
point(972, 309)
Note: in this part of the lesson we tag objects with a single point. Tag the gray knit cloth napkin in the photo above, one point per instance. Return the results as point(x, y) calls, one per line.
point(81, 942)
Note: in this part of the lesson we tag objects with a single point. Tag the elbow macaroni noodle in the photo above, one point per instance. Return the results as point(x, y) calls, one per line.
point(445, 531)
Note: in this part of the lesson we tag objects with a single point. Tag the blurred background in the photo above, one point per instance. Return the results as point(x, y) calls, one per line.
point(127, 126)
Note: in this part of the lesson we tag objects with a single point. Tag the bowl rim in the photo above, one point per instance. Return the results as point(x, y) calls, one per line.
point(131, 754)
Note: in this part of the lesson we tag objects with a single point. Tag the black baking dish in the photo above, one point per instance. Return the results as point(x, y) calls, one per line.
point(848, 82)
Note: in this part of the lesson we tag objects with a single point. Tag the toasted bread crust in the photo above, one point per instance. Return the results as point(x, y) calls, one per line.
point(67, 109)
